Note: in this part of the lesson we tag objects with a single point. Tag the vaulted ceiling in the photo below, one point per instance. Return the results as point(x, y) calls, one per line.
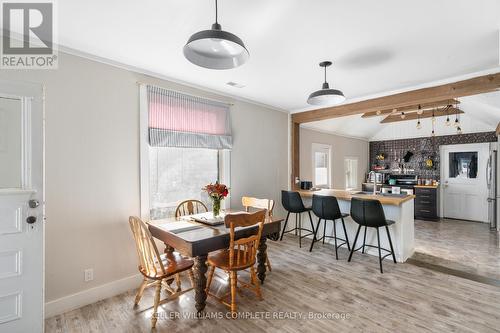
point(376, 46)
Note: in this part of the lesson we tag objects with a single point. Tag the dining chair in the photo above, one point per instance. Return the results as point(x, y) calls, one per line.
point(268, 204)
point(240, 255)
point(156, 269)
point(190, 207)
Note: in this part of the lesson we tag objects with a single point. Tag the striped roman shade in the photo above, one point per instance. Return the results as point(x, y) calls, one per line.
point(180, 120)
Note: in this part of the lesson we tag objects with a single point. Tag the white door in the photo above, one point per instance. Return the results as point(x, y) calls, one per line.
point(463, 178)
point(21, 207)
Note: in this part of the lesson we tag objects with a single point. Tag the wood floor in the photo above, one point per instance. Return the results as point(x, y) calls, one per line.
point(406, 298)
point(459, 245)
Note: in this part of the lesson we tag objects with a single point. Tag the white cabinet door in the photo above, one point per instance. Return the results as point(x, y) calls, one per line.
point(463, 179)
point(21, 201)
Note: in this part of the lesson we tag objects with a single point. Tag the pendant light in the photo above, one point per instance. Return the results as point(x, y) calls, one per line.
point(419, 125)
point(420, 111)
point(448, 122)
point(326, 96)
point(216, 48)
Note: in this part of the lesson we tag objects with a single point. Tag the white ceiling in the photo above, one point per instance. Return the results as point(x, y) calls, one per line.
point(376, 46)
point(482, 114)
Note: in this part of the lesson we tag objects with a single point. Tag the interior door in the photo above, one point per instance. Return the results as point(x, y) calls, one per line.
point(463, 178)
point(21, 207)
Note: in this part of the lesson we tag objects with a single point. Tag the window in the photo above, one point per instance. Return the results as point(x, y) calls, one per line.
point(463, 165)
point(185, 145)
point(174, 177)
point(351, 173)
point(321, 165)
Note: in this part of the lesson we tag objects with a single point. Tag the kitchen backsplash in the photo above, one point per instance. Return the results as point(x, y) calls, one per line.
point(422, 149)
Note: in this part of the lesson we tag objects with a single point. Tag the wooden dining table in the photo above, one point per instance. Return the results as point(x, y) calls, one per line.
point(202, 239)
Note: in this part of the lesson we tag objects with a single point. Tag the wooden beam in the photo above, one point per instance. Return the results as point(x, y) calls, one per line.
point(424, 106)
point(498, 129)
point(474, 86)
point(295, 154)
point(426, 114)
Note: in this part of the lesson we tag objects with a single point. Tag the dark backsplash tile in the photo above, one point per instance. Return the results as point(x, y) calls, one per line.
point(422, 148)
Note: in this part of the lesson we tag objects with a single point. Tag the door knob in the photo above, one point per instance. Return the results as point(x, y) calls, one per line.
point(33, 203)
point(31, 219)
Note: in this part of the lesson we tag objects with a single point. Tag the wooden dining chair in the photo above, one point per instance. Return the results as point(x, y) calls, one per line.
point(157, 269)
point(241, 255)
point(190, 207)
point(268, 204)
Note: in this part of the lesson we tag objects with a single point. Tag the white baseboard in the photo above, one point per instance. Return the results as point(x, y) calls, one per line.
point(89, 296)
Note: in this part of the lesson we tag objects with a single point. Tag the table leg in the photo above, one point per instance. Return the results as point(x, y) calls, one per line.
point(261, 260)
point(200, 282)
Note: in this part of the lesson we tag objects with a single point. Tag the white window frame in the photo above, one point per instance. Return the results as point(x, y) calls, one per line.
point(145, 204)
point(320, 147)
point(351, 158)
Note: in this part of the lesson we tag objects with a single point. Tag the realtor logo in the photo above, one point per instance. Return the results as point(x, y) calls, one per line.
point(28, 35)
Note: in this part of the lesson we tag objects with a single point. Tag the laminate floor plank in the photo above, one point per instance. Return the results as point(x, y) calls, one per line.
point(406, 298)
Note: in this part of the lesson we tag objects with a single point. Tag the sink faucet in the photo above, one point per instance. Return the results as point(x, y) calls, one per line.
point(374, 181)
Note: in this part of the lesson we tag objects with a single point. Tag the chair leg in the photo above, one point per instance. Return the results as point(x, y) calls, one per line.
point(345, 234)
point(311, 220)
point(154, 317)
point(234, 277)
point(268, 264)
point(379, 252)
point(324, 231)
point(300, 230)
point(314, 235)
point(140, 291)
point(364, 242)
point(210, 276)
point(191, 277)
point(390, 243)
point(178, 282)
point(335, 238)
point(297, 216)
point(256, 282)
point(354, 244)
point(284, 227)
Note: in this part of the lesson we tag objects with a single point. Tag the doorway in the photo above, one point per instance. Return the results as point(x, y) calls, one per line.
point(21, 207)
point(464, 180)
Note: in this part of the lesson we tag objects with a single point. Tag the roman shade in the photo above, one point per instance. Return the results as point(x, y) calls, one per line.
point(181, 120)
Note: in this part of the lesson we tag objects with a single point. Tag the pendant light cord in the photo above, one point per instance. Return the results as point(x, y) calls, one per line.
point(325, 74)
point(216, 12)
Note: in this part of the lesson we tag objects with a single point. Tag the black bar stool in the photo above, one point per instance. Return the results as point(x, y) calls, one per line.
point(369, 213)
point(327, 208)
point(292, 202)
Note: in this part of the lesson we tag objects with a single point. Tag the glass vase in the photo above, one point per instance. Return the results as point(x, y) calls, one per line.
point(216, 206)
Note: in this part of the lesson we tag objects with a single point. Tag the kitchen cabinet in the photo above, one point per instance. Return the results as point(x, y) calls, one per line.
point(427, 203)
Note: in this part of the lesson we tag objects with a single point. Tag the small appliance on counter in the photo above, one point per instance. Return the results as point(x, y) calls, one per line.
point(306, 185)
point(379, 177)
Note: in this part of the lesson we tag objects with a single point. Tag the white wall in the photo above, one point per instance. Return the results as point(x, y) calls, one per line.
point(92, 167)
point(342, 147)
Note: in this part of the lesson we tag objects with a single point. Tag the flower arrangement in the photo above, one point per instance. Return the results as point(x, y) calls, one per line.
point(216, 192)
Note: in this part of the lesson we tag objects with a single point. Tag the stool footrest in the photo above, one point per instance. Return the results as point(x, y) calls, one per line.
point(375, 247)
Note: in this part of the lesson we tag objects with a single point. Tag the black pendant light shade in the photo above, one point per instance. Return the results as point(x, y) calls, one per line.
point(326, 96)
point(216, 48)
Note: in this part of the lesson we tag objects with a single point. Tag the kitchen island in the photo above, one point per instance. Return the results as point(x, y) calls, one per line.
point(399, 208)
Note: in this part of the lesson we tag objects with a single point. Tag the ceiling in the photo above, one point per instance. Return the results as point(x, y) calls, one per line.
point(482, 113)
point(376, 46)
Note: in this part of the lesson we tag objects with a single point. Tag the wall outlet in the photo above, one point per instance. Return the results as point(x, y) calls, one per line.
point(88, 274)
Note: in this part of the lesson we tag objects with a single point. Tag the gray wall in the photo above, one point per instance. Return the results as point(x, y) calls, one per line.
point(92, 166)
point(341, 147)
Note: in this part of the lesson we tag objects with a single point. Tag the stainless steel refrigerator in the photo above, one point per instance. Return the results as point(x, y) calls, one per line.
point(492, 170)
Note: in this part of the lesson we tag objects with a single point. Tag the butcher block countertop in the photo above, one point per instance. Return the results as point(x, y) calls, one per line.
point(426, 186)
point(347, 195)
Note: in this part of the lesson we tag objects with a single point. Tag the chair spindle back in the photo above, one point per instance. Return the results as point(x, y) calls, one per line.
point(150, 263)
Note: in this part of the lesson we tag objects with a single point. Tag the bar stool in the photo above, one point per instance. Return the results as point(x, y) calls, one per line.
point(292, 202)
point(327, 208)
point(369, 213)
